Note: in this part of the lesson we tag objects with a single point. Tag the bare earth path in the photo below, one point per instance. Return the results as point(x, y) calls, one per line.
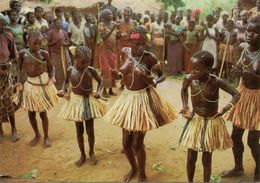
point(57, 163)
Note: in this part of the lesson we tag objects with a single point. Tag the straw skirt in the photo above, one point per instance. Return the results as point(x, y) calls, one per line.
point(141, 110)
point(246, 113)
point(80, 108)
point(205, 134)
point(38, 94)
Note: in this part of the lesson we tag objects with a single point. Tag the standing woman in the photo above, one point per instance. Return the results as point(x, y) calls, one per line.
point(175, 49)
point(108, 51)
point(141, 99)
point(157, 33)
point(58, 42)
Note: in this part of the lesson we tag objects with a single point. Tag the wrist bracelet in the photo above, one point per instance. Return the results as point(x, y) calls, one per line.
point(154, 81)
point(230, 104)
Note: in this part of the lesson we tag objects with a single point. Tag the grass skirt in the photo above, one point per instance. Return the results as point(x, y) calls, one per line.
point(80, 108)
point(141, 110)
point(205, 134)
point(38, 95)
point(246, 113)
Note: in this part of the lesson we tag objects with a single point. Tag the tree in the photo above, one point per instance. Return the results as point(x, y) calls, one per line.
point(175, 3)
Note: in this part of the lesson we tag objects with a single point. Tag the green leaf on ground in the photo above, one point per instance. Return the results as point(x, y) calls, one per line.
point(158, 166)
point(31, 175)
point(215, 179)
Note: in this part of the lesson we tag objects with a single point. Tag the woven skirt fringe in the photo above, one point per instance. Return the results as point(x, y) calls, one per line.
point(206, 134)
point(79, 108)
point(141, 110)
point(38, 98)
point(246, 113)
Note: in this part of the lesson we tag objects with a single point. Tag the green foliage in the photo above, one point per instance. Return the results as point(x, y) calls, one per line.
point(174, 3)
point(207, 6)
point(46, 1)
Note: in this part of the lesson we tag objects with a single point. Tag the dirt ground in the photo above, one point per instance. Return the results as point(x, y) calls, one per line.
point(57, 163)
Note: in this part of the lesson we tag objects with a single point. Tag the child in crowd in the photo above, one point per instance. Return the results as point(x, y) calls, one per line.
point(82, 105)
point(38, 91)
point(205, 130)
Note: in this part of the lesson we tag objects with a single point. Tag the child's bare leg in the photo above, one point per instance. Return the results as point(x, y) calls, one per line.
point(253, 143)
point(206, 161)
point(45, 127)
point(138, 145)
point(104, 93)
point(1, 133)
point(191, 164)
point(32, 119)
point(238, 150)
point(127, 144)
point(91, 140)
point(80, 139)
point(111, 92)
point(15, 137)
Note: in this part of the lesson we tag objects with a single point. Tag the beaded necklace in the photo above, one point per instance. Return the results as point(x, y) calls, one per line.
point(80, 81)
point(36, 59)
point(201, 90)
point(252, 55)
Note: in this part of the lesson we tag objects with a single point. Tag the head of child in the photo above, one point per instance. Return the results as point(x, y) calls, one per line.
point(2, 24)
point(201, 63)
point(210, 20)
point(253, 32)
point(38, 12)
point(230, 25)
point(58, 12)
point(138, 40)
point(44, 29)
point(15, 5)
point(58, 24)
point(160, 17)
point(34, 40)
point(76, 17)
point(30, 16)
point(244, 15)
point(178, 19)
point(191, 25)
point(127, 12)
point(107, 15)
point(12, 14)
point(82, 57)
point(225, 16)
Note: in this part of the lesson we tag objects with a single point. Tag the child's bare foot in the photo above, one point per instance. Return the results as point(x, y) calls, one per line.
point(142, 177)
point(35, 141)
point(81, 160)
point(46, 143)
point(93, 159)
point(15, 137)
point(131, 174)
